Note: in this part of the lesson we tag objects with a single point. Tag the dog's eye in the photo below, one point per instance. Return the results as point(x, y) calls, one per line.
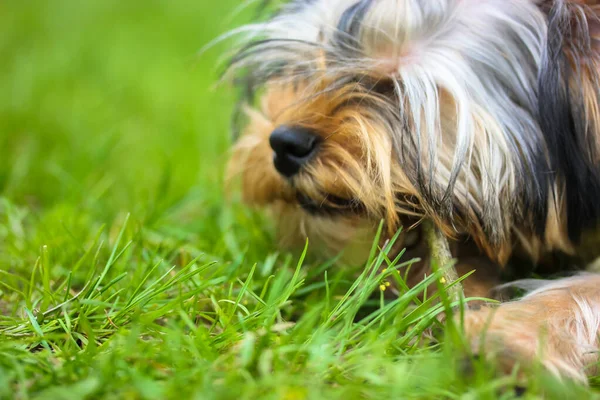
point(412, 238)
point(382, 86)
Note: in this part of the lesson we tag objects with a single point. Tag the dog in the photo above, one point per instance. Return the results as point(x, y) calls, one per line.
point(481, 116)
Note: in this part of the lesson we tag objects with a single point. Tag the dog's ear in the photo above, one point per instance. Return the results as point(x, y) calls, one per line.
point(569, 107)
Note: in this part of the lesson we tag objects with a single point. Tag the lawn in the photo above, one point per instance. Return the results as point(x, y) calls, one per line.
point(126, 271)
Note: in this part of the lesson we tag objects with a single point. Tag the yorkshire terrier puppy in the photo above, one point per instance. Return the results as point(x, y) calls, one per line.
point(479, 115)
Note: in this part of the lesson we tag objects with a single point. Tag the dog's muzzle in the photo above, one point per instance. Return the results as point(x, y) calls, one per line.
point(293, 147)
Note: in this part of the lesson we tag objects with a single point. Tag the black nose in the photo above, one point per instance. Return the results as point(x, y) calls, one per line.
point(294, 146)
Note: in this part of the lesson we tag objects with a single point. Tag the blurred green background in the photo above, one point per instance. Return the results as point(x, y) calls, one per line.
point(109, 108)
point(108, 104)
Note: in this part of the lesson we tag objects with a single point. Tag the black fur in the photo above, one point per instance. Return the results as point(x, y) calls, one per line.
point(563, 120)
point(348, 29)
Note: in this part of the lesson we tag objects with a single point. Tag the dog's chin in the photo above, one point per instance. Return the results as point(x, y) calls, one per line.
point(331, 230)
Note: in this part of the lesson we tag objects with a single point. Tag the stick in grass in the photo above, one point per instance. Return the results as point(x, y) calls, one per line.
point(442, 258)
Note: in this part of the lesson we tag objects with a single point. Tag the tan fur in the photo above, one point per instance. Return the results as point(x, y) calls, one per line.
point(355, 161)
point(557, 325)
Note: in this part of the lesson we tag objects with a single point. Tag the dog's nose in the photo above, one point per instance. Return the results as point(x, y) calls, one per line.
point(293, 146)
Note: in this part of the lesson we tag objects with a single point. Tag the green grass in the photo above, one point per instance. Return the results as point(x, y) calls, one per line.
point(124, 272)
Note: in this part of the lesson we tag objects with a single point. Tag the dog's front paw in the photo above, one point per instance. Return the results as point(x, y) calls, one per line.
point(556, 325)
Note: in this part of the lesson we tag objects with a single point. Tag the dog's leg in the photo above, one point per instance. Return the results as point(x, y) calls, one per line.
point(557, 324)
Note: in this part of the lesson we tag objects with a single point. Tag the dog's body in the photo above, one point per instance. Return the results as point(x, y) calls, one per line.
point(480, 115)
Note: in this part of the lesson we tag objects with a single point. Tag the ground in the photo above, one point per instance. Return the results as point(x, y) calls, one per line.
point(126, 270)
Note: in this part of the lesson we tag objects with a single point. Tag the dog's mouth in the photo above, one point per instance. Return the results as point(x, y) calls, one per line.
point(330, 205)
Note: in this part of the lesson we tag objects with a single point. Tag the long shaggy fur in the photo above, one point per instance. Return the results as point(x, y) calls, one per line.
point(480, 115)
point(477, 114)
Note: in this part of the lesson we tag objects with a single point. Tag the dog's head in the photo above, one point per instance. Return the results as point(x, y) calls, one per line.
point(392, 110)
